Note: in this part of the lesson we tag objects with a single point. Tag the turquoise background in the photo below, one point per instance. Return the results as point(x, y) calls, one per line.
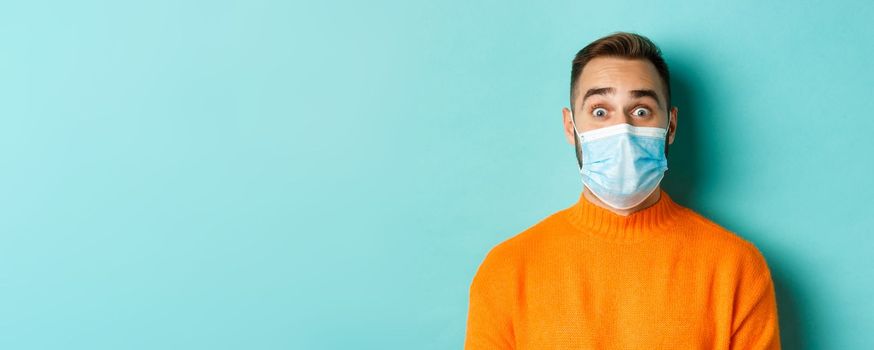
point(329, 175)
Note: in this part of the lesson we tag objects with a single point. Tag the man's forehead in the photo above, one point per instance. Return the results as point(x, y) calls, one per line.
point(628, 74)
point(611, 75)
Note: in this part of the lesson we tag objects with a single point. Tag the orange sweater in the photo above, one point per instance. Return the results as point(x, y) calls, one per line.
point(585, 278)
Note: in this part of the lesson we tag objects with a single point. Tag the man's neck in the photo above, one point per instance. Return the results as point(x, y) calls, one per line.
point(652, 199)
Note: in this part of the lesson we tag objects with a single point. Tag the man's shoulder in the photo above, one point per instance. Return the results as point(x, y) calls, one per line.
point(510, 250)
point(696, 226)
point(532, 235)
point(726, 245)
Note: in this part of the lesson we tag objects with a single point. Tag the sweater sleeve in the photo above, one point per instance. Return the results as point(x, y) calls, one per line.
point(490, 309)
point(755, 323)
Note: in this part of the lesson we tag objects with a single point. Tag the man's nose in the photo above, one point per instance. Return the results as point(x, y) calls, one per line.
point(627, 119)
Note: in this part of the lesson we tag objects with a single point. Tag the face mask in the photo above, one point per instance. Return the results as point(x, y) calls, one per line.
point(622, 164)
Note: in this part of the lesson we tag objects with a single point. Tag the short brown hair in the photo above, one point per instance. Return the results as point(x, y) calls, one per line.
point(623, 45)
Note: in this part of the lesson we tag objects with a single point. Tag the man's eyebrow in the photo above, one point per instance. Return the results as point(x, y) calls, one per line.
point(634, 93)
point(598, 91)
point(647, 92)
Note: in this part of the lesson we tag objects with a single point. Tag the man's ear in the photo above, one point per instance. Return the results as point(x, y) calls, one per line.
point(672, 127)
point(566, 123)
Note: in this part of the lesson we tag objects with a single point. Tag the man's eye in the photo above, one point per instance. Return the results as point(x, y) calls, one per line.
point(640, 112)
point(599, 112)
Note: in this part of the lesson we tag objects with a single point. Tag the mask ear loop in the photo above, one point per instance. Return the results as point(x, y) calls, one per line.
point(578, 150)
point(667, 132)
point(668, 127)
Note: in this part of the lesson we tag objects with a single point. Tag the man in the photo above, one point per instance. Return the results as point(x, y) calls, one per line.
point(625, 267)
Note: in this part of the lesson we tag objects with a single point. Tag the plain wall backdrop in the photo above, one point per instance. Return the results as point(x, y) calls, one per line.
point(329, 175)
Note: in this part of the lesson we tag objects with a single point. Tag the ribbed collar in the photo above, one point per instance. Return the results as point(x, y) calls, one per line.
point(642, 224)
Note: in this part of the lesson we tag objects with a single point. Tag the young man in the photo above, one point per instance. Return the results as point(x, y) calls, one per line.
point(625, 267)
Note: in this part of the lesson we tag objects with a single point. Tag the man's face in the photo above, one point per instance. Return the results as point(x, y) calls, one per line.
point(613, 90)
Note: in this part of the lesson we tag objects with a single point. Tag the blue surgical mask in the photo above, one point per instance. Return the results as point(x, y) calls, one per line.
point(622, 164)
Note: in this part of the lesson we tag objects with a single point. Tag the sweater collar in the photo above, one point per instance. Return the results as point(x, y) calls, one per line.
point(644, 223)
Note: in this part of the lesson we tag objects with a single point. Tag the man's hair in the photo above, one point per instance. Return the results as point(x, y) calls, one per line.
point(622, 45)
